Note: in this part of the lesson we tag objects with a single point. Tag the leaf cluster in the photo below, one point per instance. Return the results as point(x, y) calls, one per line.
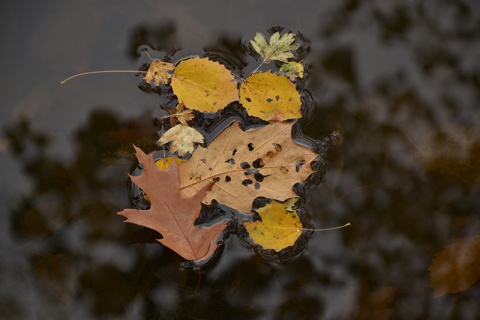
point(238, 166)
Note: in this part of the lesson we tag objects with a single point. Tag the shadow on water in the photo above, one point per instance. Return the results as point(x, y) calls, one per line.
point(407, 176)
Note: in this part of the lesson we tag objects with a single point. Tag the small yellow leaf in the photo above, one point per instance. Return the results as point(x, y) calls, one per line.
point(270, 96)
point(278, 229)
point(159, 72)
point(293, 70)
point(456, 268)
point(164, 164)
point(182, 138)
point(204, 85)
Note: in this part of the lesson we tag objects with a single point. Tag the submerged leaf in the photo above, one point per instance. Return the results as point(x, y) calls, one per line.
point(270, 96)
point(172, 215)
point(158, 72)
point(456, 268)
point(278, 49)
point(246, 165)
point(182, 137)
point(278, 228)
point(204, 85)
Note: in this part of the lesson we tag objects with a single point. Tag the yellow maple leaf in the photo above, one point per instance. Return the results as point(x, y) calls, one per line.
point(204, 85)
point(159, 72)
point(278, 228)
point(270, 96)
point(182, 138)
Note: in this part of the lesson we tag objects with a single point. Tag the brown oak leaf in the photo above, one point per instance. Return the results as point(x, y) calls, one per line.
point(171, 214)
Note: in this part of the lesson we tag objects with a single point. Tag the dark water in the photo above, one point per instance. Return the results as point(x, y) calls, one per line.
point(399, 80)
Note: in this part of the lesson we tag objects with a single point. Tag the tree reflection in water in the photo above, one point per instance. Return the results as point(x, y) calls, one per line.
point(398, 79)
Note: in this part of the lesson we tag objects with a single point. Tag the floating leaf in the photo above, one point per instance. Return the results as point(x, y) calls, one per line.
point(158, 72)
point(293, 70)
point(456, 268)
point(246, 165)
point(270, 96)
point(278, 228)
point(172, 215)
point(204, 85)
point(182, 137)
point(374, 304)
point(278, 49)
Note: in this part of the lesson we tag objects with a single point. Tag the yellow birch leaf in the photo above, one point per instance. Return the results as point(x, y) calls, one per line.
point(246, 165)
point(204, 85)
point(456, 268)
point(270, 96)
point(182, 138)
point(277, 230)
point(159, 72)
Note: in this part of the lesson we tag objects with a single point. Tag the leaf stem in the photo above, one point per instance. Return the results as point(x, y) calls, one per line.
point(325, 229)
point(101, 71)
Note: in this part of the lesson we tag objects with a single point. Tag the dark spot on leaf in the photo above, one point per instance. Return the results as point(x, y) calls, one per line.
point(244, 165)
point(258, 163)
point(210, 169)
point(203, 160)
point(250, 146)
point(246, 182)
point(299, 165)
point(216, 179)
point(256, 185)
point(248, 99)
point(277, 98)
point(277, 147)
point(269, 100)
point(215, 103)
point(231, 161)
point(259, 177)
point(234, 151)
point(250, 171)
point(270, 154)
point(228, 179)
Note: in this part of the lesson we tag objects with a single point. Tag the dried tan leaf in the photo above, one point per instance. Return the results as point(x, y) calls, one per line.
point(182, 137)
point(246, 165)
point(158, 72)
